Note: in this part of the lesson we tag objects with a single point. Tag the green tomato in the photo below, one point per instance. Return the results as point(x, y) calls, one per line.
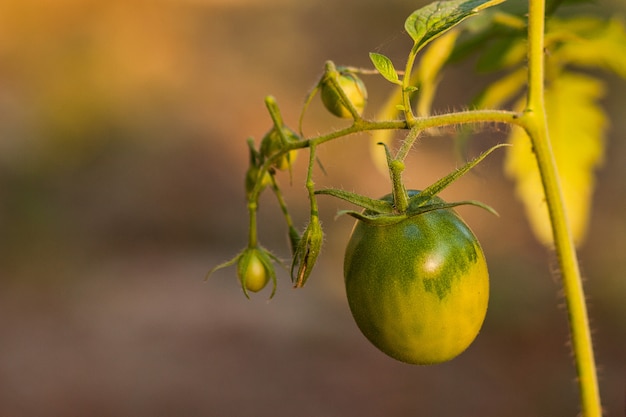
point(417, 289)
point(354, 89)
point(252, 273)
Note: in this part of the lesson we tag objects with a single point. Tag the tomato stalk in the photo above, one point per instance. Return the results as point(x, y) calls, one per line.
point(396, 168)
point(536, 125)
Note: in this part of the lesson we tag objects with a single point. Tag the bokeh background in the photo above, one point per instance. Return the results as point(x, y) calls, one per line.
point(122, 156)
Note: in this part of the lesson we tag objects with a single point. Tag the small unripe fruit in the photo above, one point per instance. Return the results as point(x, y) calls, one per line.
point(354, 90)
point(252, 273)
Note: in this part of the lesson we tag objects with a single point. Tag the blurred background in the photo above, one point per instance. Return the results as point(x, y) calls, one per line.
point(122, 156)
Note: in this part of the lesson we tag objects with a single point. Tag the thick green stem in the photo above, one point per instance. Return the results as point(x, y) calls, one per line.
point(535, 123)
point(396, 167)
point(407, 144)
point(421, 123)
point(400, 196)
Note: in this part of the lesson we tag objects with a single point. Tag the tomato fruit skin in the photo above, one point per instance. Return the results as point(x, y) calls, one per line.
point(417, 289)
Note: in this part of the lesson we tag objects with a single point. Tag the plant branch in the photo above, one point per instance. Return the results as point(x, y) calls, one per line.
point(535, 123)
point(421, 123)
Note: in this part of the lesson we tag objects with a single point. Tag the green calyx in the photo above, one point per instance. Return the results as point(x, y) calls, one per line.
point(386, 211)
point(254, 269)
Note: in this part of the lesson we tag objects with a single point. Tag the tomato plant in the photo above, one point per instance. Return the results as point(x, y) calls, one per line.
point(416, 277)
point(418, 289)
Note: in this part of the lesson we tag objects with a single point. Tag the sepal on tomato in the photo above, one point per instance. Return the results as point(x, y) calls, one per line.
point(437, 204)
point(377, 219)
point(432, 190)
point(384, 211)
point(378, 206)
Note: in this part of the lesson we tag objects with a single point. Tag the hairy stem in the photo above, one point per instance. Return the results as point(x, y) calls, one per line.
point(421, 123)
point(535, 123)
point(406, 85)
point(407, 144)
point(310, 185)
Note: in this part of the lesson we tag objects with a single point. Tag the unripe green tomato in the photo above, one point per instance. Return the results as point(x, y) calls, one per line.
point(253, 276)
point(272, 143)
point(354, 89)
point(417, 289)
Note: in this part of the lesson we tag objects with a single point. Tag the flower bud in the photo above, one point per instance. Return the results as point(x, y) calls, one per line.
point(307, 251)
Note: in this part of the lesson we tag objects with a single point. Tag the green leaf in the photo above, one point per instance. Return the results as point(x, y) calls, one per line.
point(385, 67)
point(576, 125)
point(432, 20)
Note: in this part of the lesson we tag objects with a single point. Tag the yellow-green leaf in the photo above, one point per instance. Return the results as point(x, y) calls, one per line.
point(385, 67)
point(576, 126)
point(590, 42)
